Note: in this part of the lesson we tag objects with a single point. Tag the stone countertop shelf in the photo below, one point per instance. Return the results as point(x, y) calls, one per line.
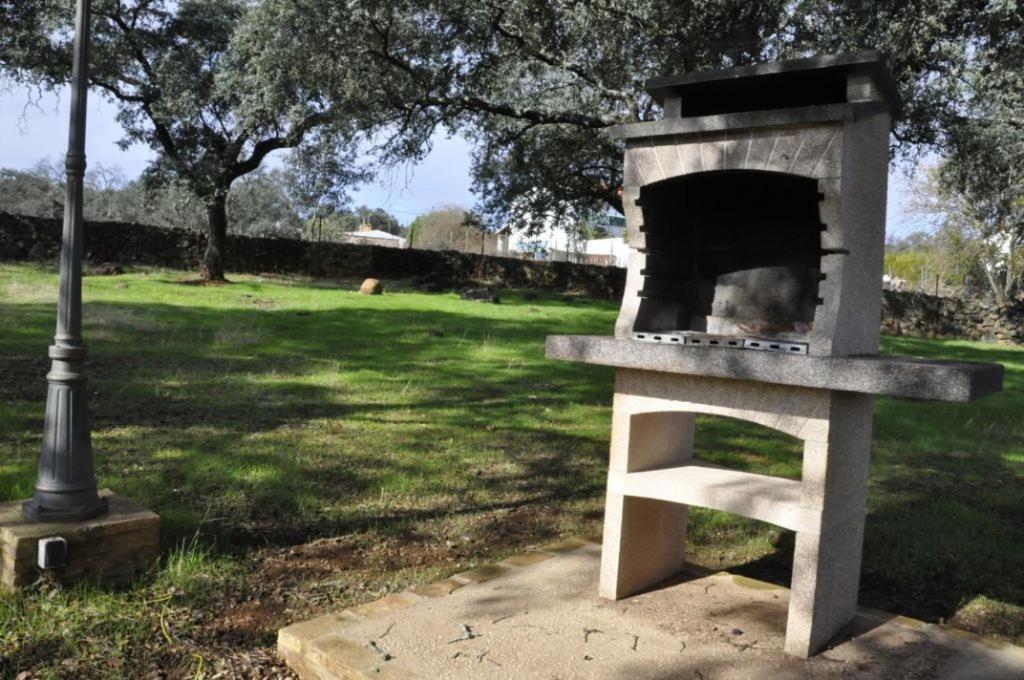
point(892, 376)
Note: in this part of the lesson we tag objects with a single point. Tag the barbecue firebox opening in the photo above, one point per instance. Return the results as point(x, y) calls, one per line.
point(731, 253)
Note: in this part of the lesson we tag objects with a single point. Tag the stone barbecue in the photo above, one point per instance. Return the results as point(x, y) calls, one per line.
point(755, 212)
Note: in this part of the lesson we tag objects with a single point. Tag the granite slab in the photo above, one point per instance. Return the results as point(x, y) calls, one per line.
point(748, 120)
point(893, 376)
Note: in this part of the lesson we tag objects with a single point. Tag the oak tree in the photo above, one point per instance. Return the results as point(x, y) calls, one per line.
point(535, 85)
point(191, 81)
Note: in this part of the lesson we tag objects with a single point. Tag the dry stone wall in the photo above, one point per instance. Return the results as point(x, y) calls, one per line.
point(922, 315)
point(36, 239)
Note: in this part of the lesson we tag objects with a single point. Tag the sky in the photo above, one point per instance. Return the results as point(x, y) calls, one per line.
point(30, 133)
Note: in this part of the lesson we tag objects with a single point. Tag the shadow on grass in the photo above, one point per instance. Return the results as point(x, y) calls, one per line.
point(271, 427)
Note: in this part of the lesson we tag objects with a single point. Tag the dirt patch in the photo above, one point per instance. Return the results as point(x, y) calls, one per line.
point(201, 282)
point(325, 575)
point(256, 663)
point(312, 560)
point(251, 622)
point(516, 527)
point(349, 558)
point(349, 566)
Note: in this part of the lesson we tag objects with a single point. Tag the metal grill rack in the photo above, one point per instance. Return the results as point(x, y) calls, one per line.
point(733, 342)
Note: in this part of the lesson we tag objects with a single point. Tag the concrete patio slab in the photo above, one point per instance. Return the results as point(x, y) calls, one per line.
point(545, 620)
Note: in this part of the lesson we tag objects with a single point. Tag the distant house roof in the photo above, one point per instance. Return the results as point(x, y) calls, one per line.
point(374, 233)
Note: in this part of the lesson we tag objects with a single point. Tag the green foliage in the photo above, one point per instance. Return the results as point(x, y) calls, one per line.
point(982, 177)
point(261, 204)
point(978, 232)
point(214, 87)
point(378, 218)
point(909, 264)
point(318, 177)
point(38, 191)
point(976, 192)
point(450, 227)
point(922, 256)
point(335, 226)
point(440, 228)
point(190, 83)
point(536, 85)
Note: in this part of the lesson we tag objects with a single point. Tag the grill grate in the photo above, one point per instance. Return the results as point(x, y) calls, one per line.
point(727, 341)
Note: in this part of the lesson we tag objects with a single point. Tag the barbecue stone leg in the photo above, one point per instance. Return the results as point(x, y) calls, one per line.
point(826, 565)
point(644, 539)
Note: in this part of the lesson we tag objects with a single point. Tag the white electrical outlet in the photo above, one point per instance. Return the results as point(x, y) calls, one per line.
point(53, 553)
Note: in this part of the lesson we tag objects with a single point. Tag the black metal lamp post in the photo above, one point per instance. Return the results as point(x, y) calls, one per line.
point(65, 489)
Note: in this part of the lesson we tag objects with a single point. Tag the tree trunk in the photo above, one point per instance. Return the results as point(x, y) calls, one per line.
point(1010, 280)
point(995, 285)
point(217, 228)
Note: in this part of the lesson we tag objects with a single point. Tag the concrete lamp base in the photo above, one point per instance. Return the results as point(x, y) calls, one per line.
point(110, 549)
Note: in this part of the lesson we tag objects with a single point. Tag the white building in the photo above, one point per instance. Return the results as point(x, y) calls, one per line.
point(368, 236)
point(553, 243)
point(608, 252)
point(563, 242)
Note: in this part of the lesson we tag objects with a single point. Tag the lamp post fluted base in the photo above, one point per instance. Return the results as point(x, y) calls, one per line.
point(65, 506)
point(66, 489)
point(37, 509)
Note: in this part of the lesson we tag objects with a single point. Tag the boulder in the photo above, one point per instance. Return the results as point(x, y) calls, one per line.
point(371, 287)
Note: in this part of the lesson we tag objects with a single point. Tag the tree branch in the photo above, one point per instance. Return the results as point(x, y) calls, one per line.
point(117, 92)
point(559, 62)
point(266, 146)
point(475, 103)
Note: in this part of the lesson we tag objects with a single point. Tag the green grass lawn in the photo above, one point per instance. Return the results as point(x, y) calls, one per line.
point(308, 448)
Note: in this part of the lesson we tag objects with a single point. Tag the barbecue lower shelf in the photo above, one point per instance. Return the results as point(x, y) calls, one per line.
point(769, 499)
point(894, 376)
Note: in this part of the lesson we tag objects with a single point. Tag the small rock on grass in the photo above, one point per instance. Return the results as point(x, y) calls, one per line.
point(371, 287)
